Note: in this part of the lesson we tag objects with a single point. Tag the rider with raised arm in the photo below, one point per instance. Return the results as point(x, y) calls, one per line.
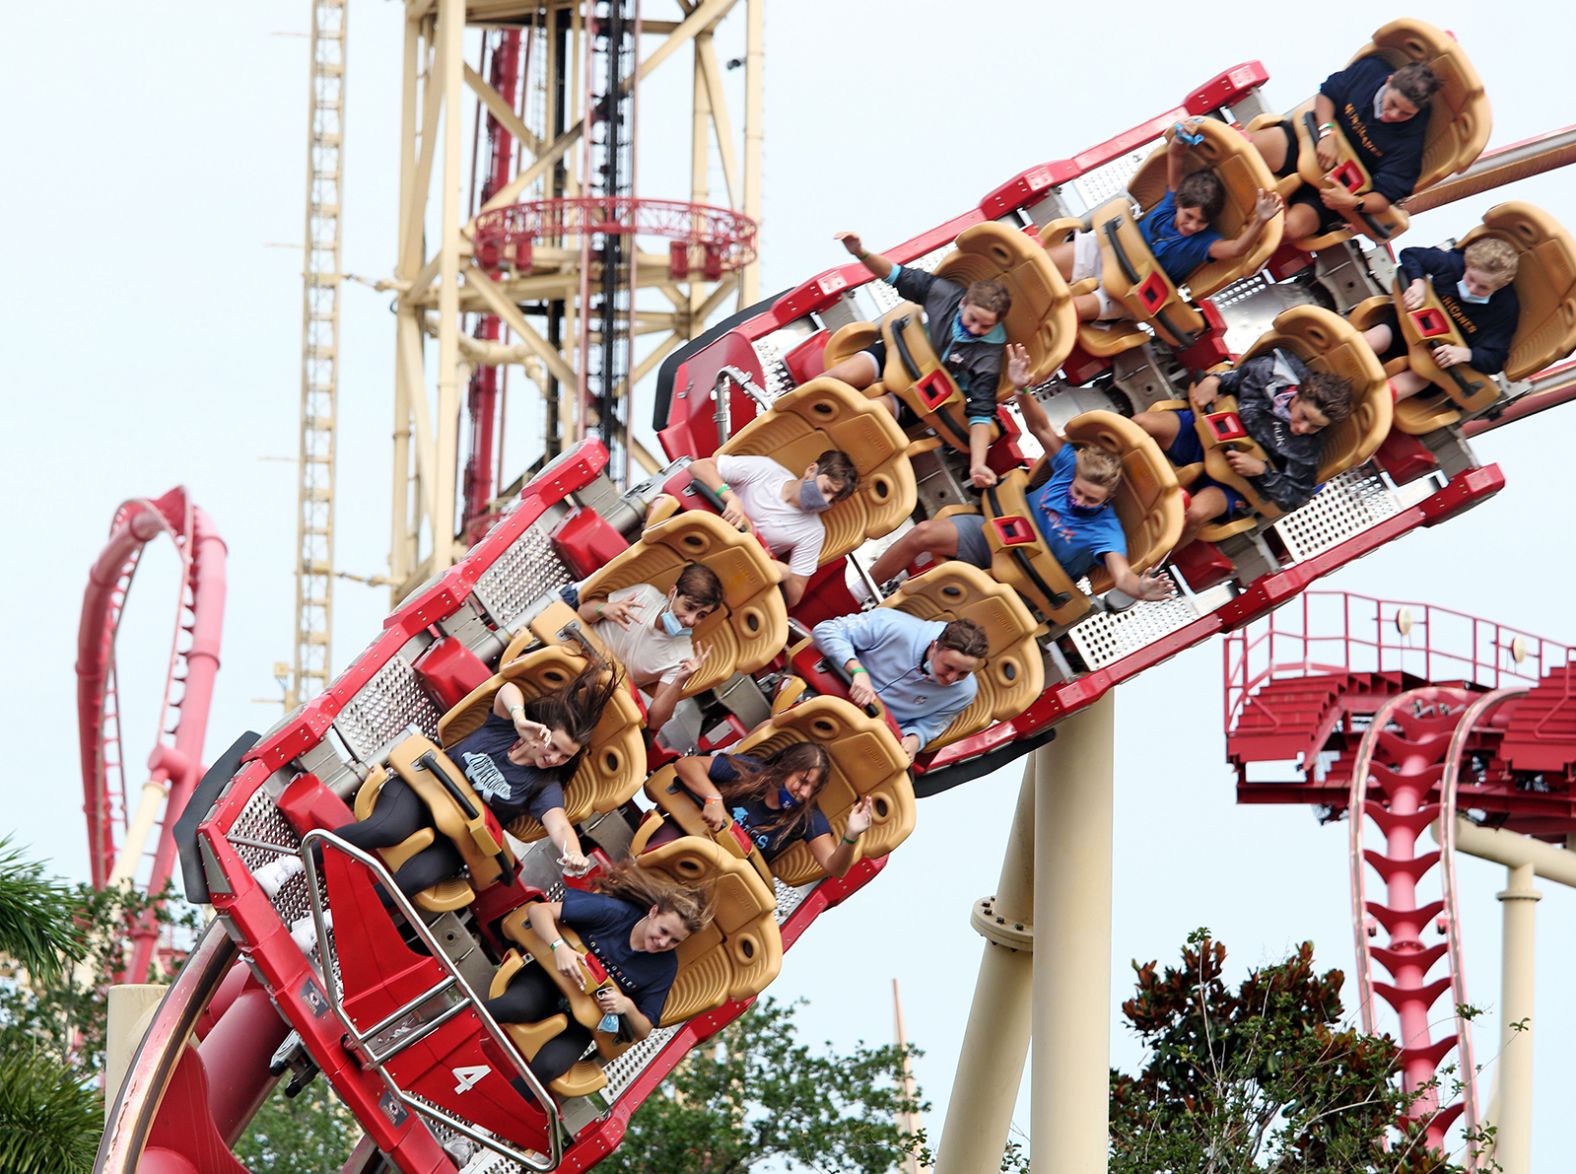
point(964, 326)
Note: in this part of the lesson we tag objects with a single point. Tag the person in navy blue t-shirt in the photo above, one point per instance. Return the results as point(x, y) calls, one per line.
point(517, 761)
point(772, 799)
point(1474, 286)
point(633, 922)
point(1382, 112)
point(1179, 231)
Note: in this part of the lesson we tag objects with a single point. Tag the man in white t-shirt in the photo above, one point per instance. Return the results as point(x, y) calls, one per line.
point(649, 634)
point(784, 509)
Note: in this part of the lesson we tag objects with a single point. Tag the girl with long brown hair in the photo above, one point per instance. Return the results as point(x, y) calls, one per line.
point(773, 799)
point(633, 922)
point(518, 762)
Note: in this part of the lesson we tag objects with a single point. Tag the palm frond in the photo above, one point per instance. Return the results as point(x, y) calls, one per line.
point(36, 926)
point(49, 1121)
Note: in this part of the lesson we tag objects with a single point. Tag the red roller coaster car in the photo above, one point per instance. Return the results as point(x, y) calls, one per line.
point(388, 1008)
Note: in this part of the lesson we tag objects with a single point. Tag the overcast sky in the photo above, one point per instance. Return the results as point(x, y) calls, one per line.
point(153, 332)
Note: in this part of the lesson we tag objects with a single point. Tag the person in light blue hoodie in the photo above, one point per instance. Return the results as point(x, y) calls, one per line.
point(921, 670)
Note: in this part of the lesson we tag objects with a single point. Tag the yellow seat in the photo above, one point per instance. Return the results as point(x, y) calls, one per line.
point(1242, 173)
point(1325, 342)
point(1545, 284)
point(1133, 279)
point(1459, 121)
point(827, 413)
point(866, 759)
point(751, 626)
point(736, 957)
point(1148, 501)
point(1545, 333)
point(1041, 319)
point(457, 813)
point(541, 660)
point(1013, 674)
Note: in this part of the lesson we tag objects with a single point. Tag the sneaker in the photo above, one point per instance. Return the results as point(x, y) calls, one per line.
point(304, 934)
point(272, 876)
point(460, 1148)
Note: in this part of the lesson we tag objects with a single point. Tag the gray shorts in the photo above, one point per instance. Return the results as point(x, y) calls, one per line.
point(972, 547)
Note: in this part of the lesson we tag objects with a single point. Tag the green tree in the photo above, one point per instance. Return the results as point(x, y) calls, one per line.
point(49, 1114)
point(305, 1134)
point(755, 1094)
point(63, 1010)
point(1260, 1077)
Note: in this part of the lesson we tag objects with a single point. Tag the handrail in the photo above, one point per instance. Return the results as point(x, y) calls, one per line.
point(361, 1039)
point(1437, 643)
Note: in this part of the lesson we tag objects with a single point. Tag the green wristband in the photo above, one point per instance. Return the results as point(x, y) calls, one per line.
point(846, 840)
point(859, 669)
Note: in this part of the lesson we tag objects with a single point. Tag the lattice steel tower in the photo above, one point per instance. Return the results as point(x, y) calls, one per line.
point(542, 270)
point(314, 605)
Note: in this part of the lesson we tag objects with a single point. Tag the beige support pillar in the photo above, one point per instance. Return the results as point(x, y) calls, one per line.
point(450, 69)
point(754, 133)
point(1070, 1069)
point(996, 1040)
point(135, 841)
point(131, 1008)
point(1513, 1140)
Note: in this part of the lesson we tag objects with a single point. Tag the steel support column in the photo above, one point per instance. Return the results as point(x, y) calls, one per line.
point(996, 1039)
point(1513, 1139)
point(1073, 827)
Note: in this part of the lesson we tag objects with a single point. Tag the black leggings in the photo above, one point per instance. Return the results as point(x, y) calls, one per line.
point(1307, 194)
point(532, 997)
point(398, 814)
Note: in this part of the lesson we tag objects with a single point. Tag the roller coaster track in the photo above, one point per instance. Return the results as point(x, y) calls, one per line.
point(1400, 763)
point(119, 831)
point(182, 1107)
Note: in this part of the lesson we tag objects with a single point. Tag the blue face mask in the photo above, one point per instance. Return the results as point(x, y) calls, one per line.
point(670, 624)
point(786, 799)
point(1461, 292)
point(811, 498)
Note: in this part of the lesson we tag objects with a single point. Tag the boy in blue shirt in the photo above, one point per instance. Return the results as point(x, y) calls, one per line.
point(1179, 231)
point(1474, 286)
point(1072, 511)
point(1376, 108)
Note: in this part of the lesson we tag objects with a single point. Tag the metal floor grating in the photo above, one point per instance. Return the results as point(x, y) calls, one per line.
point(1106, 637)
point(528, 570)
point(1347, 505)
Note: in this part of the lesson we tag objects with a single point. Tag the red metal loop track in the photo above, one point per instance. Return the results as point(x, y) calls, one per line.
point(175, 763)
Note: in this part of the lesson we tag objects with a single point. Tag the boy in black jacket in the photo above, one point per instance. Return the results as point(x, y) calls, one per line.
point(1475, 288)
point(1283, 406)
point(964, 325)
point(1383, 113)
